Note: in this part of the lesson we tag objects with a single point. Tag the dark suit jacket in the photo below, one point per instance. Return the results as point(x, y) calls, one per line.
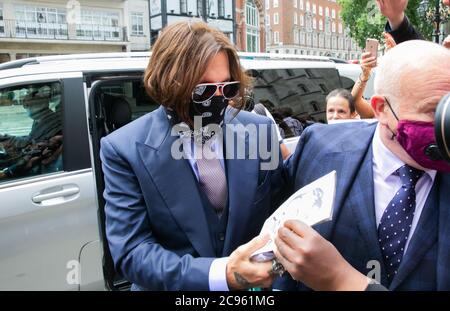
point(155, 220)
point(347, 148)
point(404, 32)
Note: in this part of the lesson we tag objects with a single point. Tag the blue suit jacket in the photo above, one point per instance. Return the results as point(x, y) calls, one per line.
point(155, 221)
point(347, 148)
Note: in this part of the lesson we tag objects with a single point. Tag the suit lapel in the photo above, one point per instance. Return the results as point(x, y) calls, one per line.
point(176, 184)
point(361, 200)
point(424, 237)
point(443, 269)
point(355, 188)
point(242, 177)
point(354, 169)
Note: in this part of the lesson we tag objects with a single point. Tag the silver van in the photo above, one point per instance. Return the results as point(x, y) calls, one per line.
point(53, 112)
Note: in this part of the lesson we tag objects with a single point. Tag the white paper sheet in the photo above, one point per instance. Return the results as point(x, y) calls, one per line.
point(312, 204)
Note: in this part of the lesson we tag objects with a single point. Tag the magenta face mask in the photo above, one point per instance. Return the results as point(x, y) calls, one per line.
point(419, 141)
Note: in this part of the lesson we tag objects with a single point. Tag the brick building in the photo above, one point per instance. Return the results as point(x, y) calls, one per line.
point(250, 28)
point(312, 27)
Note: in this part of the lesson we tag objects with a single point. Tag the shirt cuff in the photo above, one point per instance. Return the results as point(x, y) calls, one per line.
point(218, 275)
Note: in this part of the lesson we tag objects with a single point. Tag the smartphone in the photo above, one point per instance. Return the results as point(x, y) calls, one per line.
point(372, 47)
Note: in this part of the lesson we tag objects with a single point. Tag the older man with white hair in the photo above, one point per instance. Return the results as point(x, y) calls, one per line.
point(391, 220)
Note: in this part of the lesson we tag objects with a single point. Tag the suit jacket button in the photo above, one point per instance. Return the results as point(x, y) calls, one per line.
point(221, 237)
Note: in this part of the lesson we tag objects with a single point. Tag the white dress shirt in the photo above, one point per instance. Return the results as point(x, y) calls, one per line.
point(386, 184)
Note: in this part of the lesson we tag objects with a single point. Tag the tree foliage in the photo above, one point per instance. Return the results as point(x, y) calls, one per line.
point(364, 20)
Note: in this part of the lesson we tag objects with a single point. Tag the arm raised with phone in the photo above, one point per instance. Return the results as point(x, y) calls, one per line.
point(368, 62)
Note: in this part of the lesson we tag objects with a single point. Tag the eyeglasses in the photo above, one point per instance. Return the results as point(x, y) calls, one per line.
point(205, 91)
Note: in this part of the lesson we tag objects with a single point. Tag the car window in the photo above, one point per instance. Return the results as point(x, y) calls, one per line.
point(347, 83)
point(122, 101)
point(31, 140)
point(302, 90)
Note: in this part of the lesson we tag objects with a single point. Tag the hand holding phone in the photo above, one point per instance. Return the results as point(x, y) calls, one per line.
point(372, 47)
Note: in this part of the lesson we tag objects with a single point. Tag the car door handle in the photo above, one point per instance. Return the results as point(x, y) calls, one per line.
point(56, 192)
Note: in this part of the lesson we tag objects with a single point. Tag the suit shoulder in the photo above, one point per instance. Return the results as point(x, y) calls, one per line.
point(246, 117)
point(134, 131)
point(338, 129)
point(342, 136)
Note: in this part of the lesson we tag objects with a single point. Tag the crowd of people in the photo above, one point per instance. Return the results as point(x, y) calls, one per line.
point(193, 223)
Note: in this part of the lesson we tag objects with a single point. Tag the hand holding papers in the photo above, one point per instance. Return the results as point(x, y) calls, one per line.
point(312, 204)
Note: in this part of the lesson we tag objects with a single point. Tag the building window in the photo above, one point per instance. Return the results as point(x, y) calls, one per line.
point(221, 8)
point(183, 6)
point(252, 22)
point(137, 24)
point(99, 25)
point(308, 23)
point(276, 37)
point(301, 5)
point(320, 11)
point(333, 13)
point(295, 37)
point(40, 22)
point(200, 7)
point(327, 12)
point(314, 9)
point(295, 18)
point(340, 27)
point(333, 27)
point(275, 3)
point(295, 3)
point(2, 23)
point(302, 38)
point(275, 19)
point(314, 26)
point(302, 20)
point(320, 24)
point(308, 6)
point(327, 26)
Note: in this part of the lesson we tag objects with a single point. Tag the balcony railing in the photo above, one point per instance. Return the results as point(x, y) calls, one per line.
point(33, 30)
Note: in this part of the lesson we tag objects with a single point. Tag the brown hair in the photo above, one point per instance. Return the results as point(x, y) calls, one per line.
point(345, 94)
point(179, 59)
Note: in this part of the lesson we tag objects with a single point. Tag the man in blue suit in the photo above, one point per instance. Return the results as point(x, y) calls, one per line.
point(182, 198)
point(392, 207)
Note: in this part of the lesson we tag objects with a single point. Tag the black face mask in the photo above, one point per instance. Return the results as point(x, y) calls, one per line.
point(211, 111)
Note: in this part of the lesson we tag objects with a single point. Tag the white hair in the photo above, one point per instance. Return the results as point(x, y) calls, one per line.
point(415, 57)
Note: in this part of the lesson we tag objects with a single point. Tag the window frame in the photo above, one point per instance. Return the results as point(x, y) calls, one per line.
point(136, 17)
point(27, 24)
point(99, 25)
point(76, 150)
point(252, 22)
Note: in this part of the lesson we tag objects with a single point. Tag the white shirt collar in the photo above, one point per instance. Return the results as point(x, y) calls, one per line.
point(386, 161)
